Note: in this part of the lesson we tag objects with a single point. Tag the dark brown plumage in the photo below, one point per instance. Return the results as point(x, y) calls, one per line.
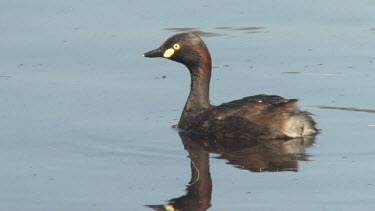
point(259, 116)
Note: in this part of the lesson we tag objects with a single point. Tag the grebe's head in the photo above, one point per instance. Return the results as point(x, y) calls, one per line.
point(186, 48)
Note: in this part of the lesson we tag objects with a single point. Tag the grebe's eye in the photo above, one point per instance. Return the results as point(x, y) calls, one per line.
point(169, 52)
point(176, 46)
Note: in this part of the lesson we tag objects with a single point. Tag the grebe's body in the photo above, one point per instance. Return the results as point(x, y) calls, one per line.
point(259, 116)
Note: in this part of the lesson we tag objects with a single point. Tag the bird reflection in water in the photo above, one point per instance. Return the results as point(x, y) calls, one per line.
point(253, 155)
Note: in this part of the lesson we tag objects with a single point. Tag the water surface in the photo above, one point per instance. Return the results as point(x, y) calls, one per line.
point(85, 119)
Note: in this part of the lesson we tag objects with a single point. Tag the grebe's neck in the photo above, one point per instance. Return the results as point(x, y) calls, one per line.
point(200, 74)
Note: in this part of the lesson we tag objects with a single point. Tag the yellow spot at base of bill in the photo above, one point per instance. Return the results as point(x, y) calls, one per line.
point(168, 53)
point(169, 207)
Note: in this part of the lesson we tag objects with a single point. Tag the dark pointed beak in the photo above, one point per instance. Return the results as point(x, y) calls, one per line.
point(155, 53)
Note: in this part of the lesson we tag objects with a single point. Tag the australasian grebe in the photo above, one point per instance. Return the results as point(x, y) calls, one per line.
point(259, 116)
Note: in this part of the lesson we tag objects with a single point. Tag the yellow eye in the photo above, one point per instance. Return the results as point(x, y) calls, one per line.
point(176, 46)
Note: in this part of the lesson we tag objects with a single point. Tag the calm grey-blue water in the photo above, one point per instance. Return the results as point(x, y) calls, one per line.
point(85, 120)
